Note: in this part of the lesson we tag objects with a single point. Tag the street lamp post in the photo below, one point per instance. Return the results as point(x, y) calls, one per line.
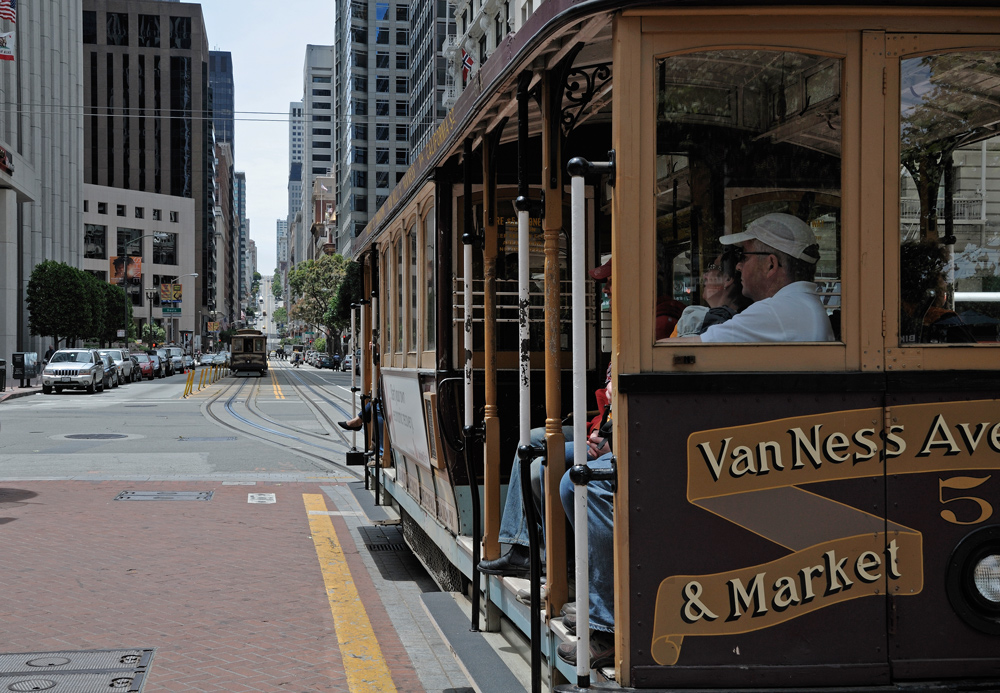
point(150, 295)
point(128, 244)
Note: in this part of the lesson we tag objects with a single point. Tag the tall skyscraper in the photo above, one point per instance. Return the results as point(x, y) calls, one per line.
point(372, 108)
point(148, 119)
point(220, 79)
point(41, 148)
point(431, 22)
point(243, 236)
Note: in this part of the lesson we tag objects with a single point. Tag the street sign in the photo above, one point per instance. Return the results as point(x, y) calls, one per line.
point(171, 311)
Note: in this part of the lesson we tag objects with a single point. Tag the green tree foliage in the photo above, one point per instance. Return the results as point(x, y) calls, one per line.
point(226, 336)
point(315, 284)
point(158, 335)
point(320, 344)
point(280, 315)
point(117, 314)
point(349, 292)
point(57, 296)
point(96, 304)
point(277, 286)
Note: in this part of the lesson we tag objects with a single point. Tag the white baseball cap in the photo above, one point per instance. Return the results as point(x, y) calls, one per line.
point(784, 232)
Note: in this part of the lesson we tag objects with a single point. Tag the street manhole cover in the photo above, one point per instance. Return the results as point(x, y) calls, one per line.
point(165, 496)
point(48, 662)
point(96, 436)
point(89, 671)
point(32, 685)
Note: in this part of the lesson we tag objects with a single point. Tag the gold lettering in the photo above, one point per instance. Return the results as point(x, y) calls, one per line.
point(866, 561)
point(893, 564)
point(800, 442)
point(861, 439)
point(972, 441)
point(834, 444)
point(806, 577)
point(743, 461)
point(740, 597)
point(939, 427)
point(835, 573)
point(900, 444)
point(714, 463)
point(786, 594)
point(762, 452)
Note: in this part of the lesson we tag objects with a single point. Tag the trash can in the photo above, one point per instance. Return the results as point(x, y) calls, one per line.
point(3, 375)
point(25, 365)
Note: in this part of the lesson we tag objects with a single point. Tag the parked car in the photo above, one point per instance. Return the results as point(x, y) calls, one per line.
point(136, 371)
point(188, 362)
point(110, 370)
point(145, 365)
point(76, 369)
point(325, 362)
point(159, 367)
point(166, 364)
point(176, 355)
point(345, 365)
point(123, 364)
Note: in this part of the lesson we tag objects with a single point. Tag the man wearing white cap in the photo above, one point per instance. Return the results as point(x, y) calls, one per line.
point(777, 262)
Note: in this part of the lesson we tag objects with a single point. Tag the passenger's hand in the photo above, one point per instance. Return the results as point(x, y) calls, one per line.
point(597, 446)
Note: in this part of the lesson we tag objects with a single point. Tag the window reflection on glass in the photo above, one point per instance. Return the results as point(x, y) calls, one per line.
point(949, 194)
point(741, 134)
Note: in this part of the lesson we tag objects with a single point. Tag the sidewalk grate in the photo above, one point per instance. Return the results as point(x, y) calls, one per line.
point(89, 671)
point(387, 547)
point(165, 496)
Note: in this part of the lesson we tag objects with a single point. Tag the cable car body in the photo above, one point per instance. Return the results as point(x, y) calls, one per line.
point(249, 352)
point(787, 514)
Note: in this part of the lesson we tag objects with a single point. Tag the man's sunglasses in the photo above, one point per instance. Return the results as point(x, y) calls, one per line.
point(741, 254)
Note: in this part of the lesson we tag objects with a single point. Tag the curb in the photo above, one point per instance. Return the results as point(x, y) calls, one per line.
point(20, 392)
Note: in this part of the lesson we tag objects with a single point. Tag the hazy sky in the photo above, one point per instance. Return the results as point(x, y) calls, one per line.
point(268, 42)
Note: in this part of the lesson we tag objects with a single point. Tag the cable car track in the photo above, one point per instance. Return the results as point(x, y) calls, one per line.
point(237, 390)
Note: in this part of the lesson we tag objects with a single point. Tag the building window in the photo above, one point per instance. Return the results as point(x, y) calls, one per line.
point(89, 27)
point(360, 131)
point(102, 207)
point(381, 156)
point(117, 26)
point(359, 179)
point(402, 37)
point(360, 203)
point(165, 248)
point(382, 132)
point(322, 105)
point(360, 83)
point(174, 217)
point(321, 157)
point(359, 34)
point(360, 59)
point(381, 179)
point(402, 13)
point(402, 134)
point(402, 109)
point(120, 210)
point(319, 79)
point(360, 107)
point(86, 206)
point(403, 157)
point(399, 176)
point(382, 35)
point(360, 155)
point(321, 131)
point(402, 85)
point(321, 119)
point(140, 212)
point(381, 107)
point(402, 61)
point(129, 242)
point(149, 31)
point(180, 32)
point(320, 170)
point(382, 60)
point(157, 214)
point(321, 92)
point(95, 242)
point(381, 11)
point(381, 85)
point(380, 200)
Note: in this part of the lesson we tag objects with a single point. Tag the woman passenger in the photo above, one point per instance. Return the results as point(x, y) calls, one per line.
point(722, 291)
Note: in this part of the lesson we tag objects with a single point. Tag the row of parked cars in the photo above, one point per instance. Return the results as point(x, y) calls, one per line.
point(319, 359)
point(95, 370)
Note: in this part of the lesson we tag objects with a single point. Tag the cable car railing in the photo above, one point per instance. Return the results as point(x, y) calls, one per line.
point(507, 301)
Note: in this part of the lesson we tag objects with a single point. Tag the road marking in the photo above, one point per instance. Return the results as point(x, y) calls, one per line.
point(277, 388)
point(364, 664)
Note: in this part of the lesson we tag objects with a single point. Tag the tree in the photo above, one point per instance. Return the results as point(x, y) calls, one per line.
point(350, 291)
point(96, 305)
point(117, 314)
point(280, 315)
point(158, 335)
point(277, 286)
point(315, 283)
point(56, 293)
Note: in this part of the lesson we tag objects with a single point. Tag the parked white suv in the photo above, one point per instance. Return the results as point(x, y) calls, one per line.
point(176, 355)
point(79, 369)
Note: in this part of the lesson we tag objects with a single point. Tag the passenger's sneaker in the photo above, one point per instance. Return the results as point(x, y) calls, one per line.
point(568, 608)
point(524, 594)
point(569, 620)
point(602, 650)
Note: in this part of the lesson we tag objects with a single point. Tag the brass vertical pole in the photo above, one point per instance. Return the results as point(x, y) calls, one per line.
point(555, 441)
point(491, 480)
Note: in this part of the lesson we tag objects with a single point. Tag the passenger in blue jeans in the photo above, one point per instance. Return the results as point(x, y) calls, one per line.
point(513, 521)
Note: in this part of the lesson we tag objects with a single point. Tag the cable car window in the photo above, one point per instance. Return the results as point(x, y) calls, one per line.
point(949, 219)
point(430, 306)
point(748, 161)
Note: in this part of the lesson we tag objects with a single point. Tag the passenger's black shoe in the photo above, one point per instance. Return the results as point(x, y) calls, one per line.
point(569, 620)
point(347, 426)
point(514, 563)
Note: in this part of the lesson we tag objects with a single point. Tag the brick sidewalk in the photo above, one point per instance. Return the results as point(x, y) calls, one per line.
point(229, 593)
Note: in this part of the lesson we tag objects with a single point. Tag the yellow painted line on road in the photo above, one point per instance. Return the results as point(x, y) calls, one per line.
point(274, 381)
point(364, 664)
